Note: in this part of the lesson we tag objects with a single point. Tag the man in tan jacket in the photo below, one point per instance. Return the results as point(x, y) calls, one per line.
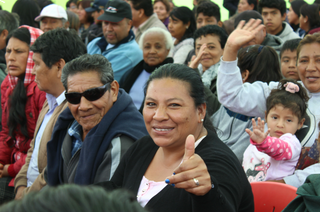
point(52, 51)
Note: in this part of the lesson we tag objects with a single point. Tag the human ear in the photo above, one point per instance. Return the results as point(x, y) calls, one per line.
point(301, 123)
point(60, 64)
point(283, 17)
point(220, 24)
point(245, 75)
point(114, 89)
point(201, 110)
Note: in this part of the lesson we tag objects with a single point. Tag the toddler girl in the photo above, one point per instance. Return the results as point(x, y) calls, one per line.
point(275, 156)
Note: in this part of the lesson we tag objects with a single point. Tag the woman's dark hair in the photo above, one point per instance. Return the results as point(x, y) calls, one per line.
point(43, 3)
point(296, 102)
point(17, 120)
point(312, 12)
point(185, 74)
point(71, 1)
point(185, 15)
point(85, 4)
point(213, 30)
point(262, 63)
point(27, 10)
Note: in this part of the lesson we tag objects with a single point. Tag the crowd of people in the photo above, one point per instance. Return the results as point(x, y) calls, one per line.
point(175, 106)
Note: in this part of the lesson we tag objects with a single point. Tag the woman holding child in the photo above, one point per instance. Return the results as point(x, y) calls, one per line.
point(182, 165)
point(250, 99)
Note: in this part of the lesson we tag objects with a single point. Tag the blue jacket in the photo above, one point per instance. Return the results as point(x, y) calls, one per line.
point(123, 56)
point(122, 118)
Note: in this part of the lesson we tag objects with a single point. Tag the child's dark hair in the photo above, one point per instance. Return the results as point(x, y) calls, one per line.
point(296, 102)
point(291, 45)
point(213, 30)
point(262, 63)
point(209, 9)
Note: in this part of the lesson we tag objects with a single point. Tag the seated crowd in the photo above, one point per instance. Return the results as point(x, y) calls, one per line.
point(175, 106)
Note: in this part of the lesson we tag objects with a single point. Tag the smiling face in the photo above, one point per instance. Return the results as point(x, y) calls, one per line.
point(281, 120)
point(17, 53)
point(154, 48)
point(160, 9)
point(309, 66)
point(82, 14)
point(272, 20)
point(89, 113)
point(288, 64)
point(212, 53)
point(170, 114)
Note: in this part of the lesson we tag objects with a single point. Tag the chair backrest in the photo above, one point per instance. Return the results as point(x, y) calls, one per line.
point(272, 196)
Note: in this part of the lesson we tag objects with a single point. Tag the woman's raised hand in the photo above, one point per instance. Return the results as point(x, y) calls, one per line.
point(242, 35)
point(192, 174)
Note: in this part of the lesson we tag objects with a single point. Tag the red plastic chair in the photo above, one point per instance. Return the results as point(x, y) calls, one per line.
point(272, 196)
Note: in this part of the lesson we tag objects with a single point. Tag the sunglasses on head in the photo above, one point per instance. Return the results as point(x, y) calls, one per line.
point(91, 94)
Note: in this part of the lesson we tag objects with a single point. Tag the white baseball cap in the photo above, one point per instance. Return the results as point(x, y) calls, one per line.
point(52, 11)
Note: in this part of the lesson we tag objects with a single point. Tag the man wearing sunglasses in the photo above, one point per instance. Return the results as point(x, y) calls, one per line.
point(99, 125)
point(52, 51)
point(95, 29)
point(118, 44)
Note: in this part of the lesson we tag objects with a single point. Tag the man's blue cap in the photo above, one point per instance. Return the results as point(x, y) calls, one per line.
point(96, 5)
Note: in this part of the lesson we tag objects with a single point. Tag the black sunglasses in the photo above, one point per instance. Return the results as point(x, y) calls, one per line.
point(91, 94)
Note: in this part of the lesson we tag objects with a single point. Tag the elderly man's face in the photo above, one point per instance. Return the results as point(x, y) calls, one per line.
point(47, 24)
point(89, 113)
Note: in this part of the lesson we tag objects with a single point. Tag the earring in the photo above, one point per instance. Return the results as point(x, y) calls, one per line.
point(187, 27)
point(201, 120)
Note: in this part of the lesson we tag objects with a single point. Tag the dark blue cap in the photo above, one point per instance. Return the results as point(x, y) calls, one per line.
point(96, 5)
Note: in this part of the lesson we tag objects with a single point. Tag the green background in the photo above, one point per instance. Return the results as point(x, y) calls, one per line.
point(224, 13)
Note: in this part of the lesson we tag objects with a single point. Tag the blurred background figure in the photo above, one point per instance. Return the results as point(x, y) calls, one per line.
point(95, 29)
point(27, 10)
point(51, 17)
point(294, 16)
point(182, 25)
point(43, 3)
point(85, 18)
point(162, 9)
point(72, 6)
point(73, 20)
point(310, 19)
point(247, 5)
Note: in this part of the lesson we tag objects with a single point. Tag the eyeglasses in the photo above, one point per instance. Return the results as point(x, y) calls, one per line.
point(91, 94)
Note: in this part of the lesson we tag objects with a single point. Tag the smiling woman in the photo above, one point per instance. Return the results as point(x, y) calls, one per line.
point(209, 44)
point(181, 155)
point(155, 44)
